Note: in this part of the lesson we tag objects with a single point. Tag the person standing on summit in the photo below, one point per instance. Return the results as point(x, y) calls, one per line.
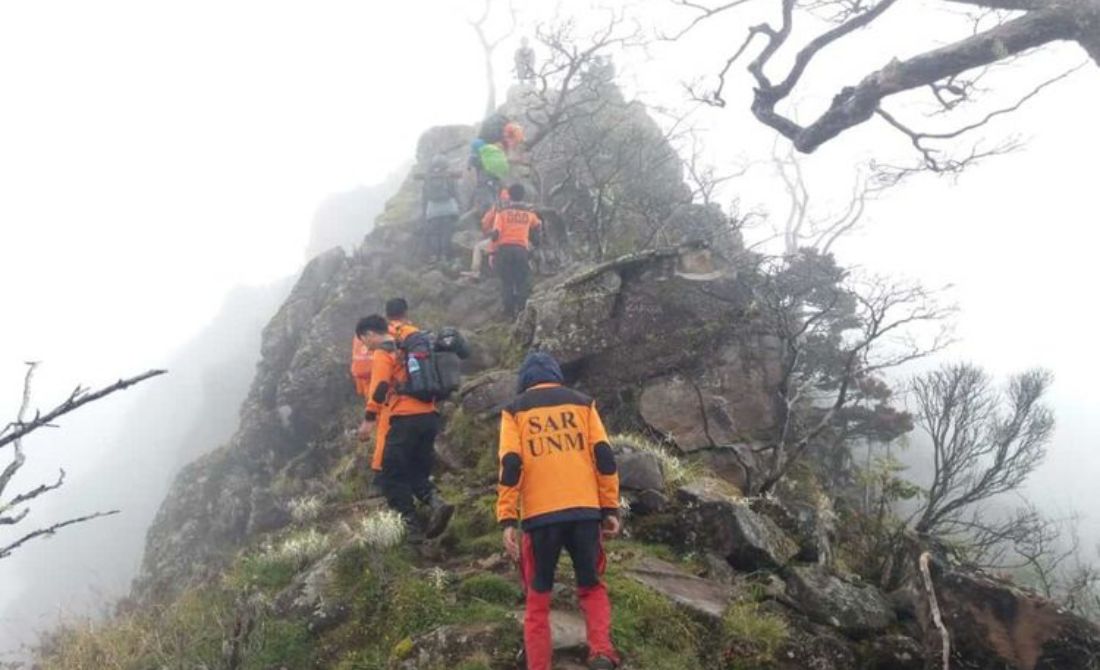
point(560, 484)
point(525, 62)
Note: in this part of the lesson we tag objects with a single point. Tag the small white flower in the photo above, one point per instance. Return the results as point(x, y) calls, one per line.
point(306, 508)
point(382, 530)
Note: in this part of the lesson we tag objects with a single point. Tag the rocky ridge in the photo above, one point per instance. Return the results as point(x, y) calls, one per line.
point(667, 340)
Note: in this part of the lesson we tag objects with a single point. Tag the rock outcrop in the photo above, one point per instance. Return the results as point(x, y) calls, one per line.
point(718, 522)
point(668, 342)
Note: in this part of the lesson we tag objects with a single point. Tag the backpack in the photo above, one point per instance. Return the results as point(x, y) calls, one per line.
point(492, 128)
point(432, 364)
point(494, 161)
point(437, 187)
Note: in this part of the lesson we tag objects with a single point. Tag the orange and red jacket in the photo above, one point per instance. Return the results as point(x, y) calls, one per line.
point(360, 365)
point(388, 373)
point(555, 461)
point(512, 225)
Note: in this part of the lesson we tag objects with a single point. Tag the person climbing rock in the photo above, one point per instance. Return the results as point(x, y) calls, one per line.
point(398, 326)
point(439, 208)
point(408, 449)
point(360, 365)
point(557, 470)
point(397, 319)
point(525, 62)
point(485, 246)
point(513, 223)
point(363, 357)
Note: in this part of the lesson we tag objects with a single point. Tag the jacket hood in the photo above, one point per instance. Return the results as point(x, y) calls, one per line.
point(539, 368)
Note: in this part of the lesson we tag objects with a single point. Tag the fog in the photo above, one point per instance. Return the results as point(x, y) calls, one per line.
point(162, 165)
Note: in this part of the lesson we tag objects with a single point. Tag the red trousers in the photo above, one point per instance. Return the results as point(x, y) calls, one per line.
point(538, 563)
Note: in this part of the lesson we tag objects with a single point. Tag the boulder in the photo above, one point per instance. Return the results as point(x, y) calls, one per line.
point(817, 649)
point(567, 630)
point(487, 394)
point(855, 609)
point(702, 596)
point(716, 521)
point(995, 623)
point(305, 597)
point(639, 317)
point(449, 646)
point(892, 652)
point(734, 463)
point(639, 471)
point(649, 501)
point(676, 407)
point(726, 403)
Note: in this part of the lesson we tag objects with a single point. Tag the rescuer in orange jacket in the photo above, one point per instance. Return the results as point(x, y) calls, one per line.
point(408, 447)
point(397, 317)
point(360, 365)
point(559, 481)
point(511, 235)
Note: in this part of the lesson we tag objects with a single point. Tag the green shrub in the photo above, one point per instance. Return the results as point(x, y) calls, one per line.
point(279, 644)
point(650, 630)
point(751, 636)
point(265, 572)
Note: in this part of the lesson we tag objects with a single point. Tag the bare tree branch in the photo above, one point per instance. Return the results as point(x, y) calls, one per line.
point(488, 46)
point(943, 69)
point(51, 530)
point(77, 399)
point(20, 428)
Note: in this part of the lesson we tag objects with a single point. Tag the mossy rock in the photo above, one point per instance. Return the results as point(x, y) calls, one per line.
point(490, 588)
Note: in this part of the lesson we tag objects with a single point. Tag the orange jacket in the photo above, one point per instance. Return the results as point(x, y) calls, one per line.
point(555, 461)
point(399, 330)
point(512, 225)
point(380, 432)
point(360, 366)
point(387, 373)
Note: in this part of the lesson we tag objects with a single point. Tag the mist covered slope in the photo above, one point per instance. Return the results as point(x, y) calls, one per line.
point(272, 550)
point(169, 425)
point(189, 412)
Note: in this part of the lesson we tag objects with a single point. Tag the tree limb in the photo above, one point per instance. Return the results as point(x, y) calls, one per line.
point(7, 551)
point(77, 399)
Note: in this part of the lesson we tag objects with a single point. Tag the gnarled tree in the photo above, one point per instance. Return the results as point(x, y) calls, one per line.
point(837, 336)
point(948, 72)
point(984, 444)
point(489, 46)
point(15, 509)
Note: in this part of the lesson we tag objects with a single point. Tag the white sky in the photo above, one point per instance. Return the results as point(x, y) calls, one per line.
point(155, 153)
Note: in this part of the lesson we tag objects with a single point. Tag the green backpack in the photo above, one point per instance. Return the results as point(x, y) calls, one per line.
point(494, 161)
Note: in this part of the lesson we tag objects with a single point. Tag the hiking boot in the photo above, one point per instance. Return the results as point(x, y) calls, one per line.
point(414, 533)
point(439, 516)
point(601, 663)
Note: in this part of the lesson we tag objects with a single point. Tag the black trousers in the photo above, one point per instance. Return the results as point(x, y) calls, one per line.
point(580, 538)
point(437, 234)
point(515, 277)
point(408, 461)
